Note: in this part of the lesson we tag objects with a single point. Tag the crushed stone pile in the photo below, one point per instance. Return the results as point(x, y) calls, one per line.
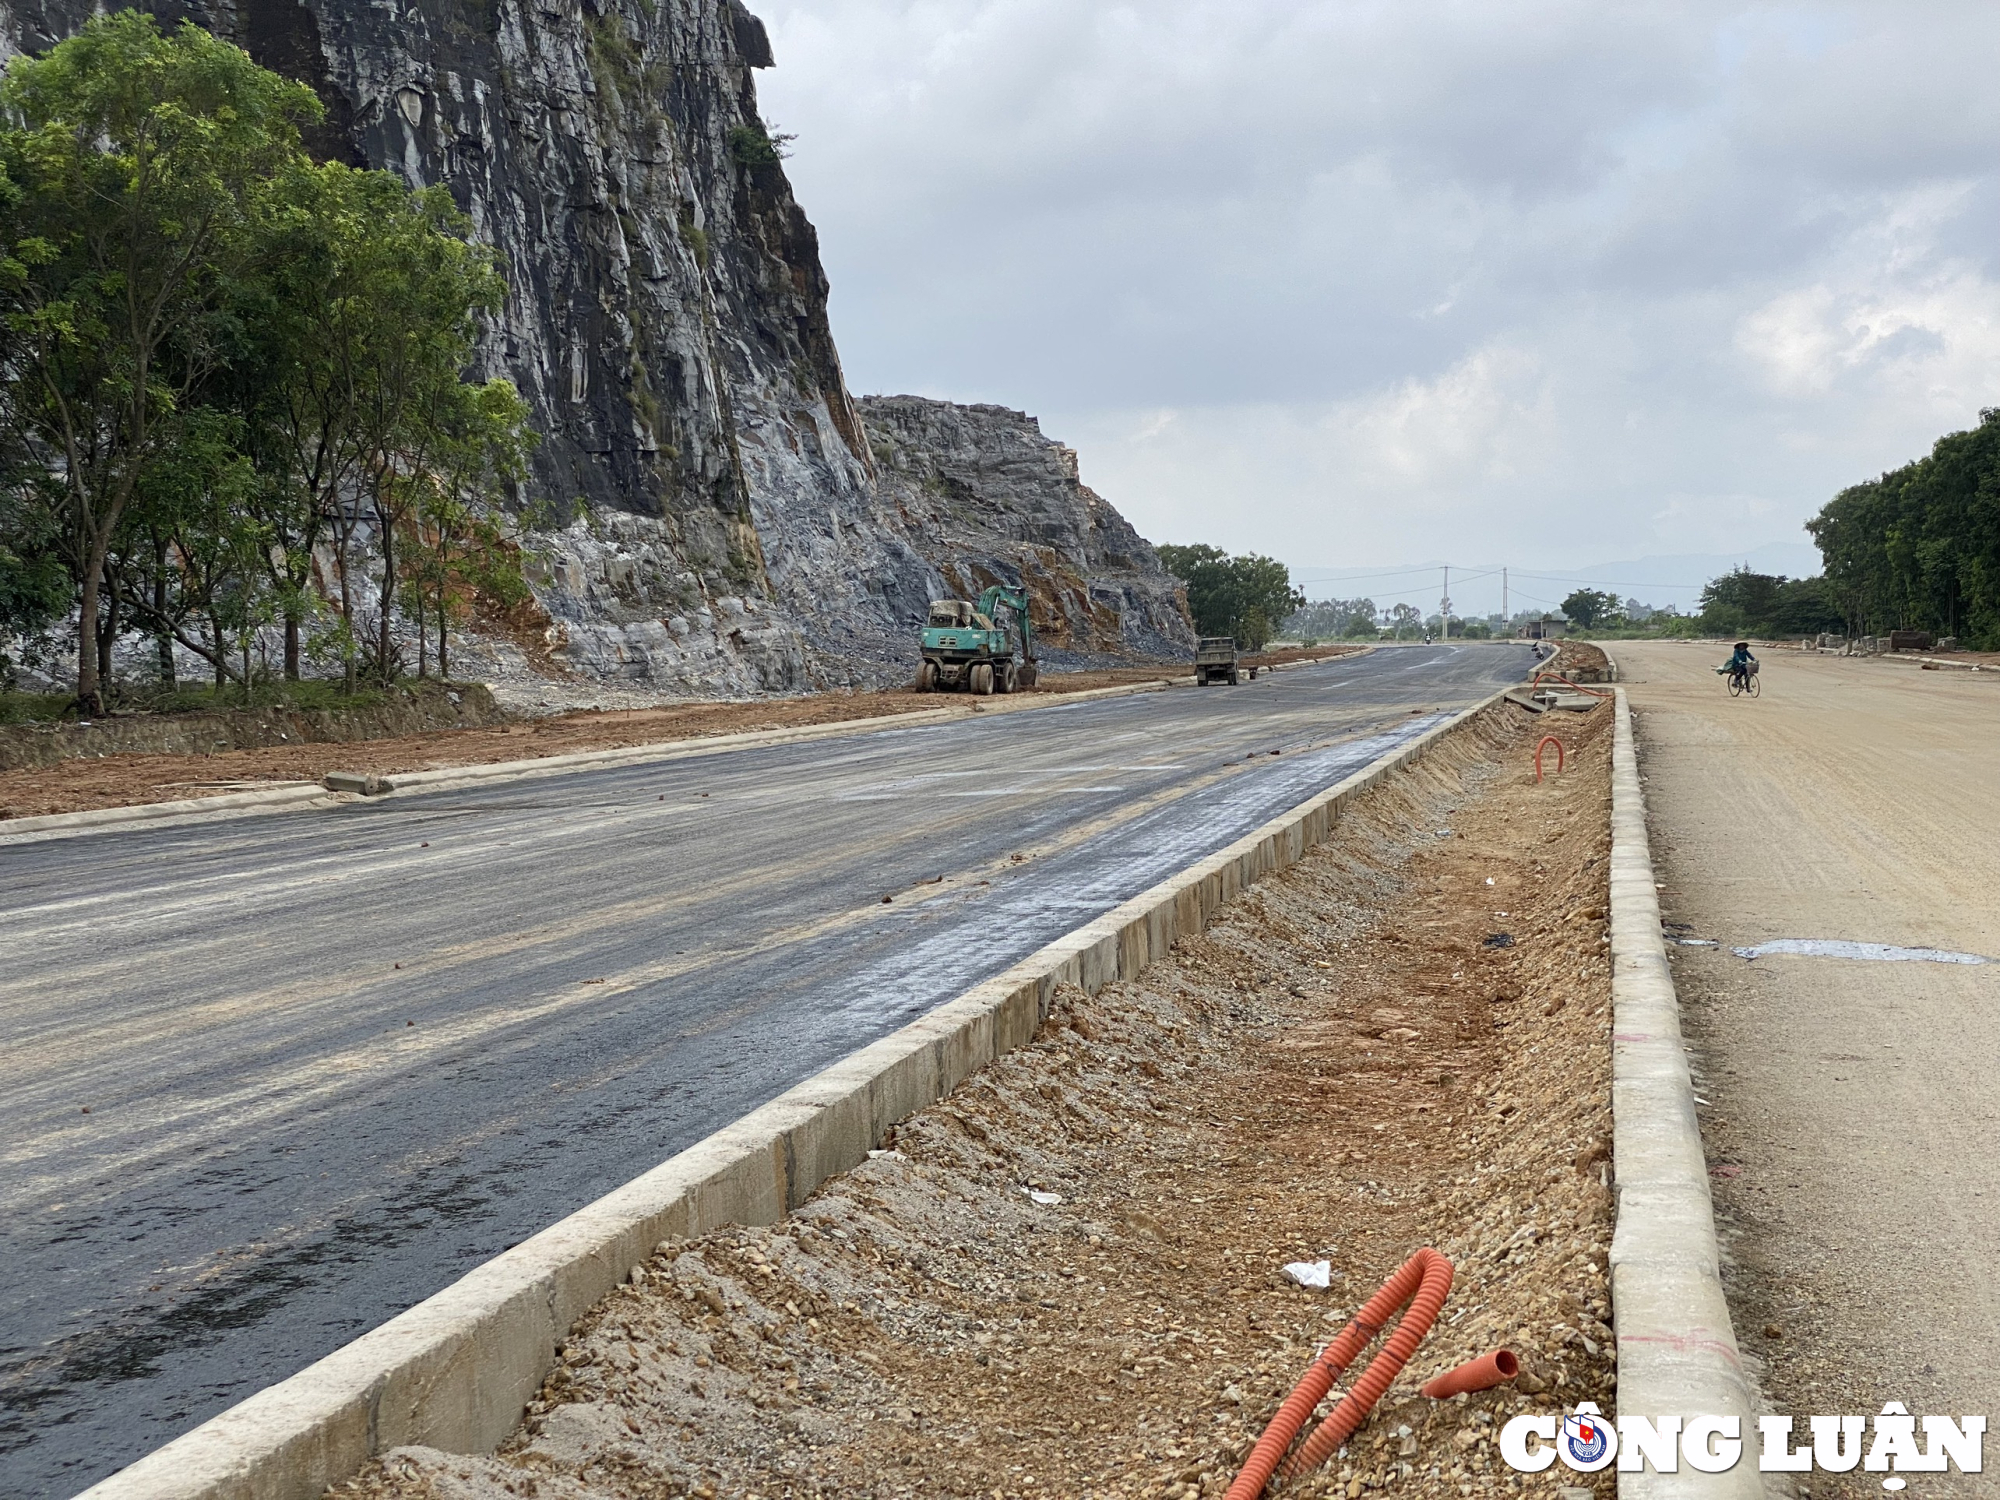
point(1067, 1278)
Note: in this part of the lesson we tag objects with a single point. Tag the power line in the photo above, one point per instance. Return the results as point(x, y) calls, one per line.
point(1623, 583)
point(1362, 577)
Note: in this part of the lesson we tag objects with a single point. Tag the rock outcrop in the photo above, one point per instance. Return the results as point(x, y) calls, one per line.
point(707, 510)
point(985, 498)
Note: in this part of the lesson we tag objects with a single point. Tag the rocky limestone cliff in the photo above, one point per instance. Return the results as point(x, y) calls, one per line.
point(985, 498)
point(733, 529)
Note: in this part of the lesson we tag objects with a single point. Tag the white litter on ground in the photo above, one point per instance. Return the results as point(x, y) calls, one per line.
point(1317, 1274)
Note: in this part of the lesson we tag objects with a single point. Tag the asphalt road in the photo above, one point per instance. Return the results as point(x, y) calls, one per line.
point(1851, 1115)
point(268, 1081)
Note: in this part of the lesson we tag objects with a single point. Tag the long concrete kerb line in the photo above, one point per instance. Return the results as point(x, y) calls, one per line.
point(294, 795)
point(456, 1371)
point(1676, 1348)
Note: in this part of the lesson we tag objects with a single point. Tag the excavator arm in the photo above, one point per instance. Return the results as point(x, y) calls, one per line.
point(1016, 600)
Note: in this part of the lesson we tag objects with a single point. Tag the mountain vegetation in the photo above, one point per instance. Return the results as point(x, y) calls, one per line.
point(233, 391)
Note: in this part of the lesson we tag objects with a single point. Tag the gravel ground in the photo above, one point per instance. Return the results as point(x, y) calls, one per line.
point(1066, 1278)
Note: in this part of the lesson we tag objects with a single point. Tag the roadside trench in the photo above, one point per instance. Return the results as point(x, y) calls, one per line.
point(1349, 1064)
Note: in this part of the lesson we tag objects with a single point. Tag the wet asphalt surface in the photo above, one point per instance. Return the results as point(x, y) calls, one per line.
point(268, 1081)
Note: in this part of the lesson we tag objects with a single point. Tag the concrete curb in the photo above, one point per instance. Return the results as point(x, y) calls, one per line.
point(292, 795)
point(666, 750)
point(1676, 1348)
point(309, 793)
point(102, 819)
point(456, 1371)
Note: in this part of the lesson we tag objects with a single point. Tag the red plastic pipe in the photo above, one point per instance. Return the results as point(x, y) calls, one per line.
point(1480, 1374)
point(1543, 743)
point(1423, 1282)
point(1574, 686)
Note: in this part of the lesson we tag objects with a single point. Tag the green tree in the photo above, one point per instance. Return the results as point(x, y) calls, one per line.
point(1353, 619)
point(1242, 596)
point(188, 567)
point(1586, 607)
point(457, 552)
point(1919, 547)
point(1741, 602)
point(133, 162)
point(368, 303)
point(35, 588)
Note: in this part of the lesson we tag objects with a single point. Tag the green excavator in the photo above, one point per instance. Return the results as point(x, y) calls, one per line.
point(965, 649)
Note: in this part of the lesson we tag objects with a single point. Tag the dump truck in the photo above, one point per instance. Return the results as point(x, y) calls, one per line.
point(1215, 660)
point(965, 649)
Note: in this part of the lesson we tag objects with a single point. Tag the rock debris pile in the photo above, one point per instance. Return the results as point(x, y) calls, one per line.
point(1065, 1279)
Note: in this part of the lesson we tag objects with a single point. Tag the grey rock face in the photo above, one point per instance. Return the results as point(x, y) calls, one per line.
point(985, 498)
point(705, 507)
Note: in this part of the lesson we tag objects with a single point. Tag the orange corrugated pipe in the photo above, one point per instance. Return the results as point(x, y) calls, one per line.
point(1480, 1374)
point(1562, 756)
point(1423, 1281)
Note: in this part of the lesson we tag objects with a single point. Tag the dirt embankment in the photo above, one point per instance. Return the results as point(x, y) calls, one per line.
point(1065, 1280)
point(1580, 661)
point(115, 773)
point(422, 708)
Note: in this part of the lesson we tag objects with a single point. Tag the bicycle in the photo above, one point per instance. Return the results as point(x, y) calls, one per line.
point(1744, 680)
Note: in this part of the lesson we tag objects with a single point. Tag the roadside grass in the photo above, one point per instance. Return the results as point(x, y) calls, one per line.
point(310, 694)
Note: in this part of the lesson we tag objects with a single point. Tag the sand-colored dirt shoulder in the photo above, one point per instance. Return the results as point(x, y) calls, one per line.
point(1065, 1279)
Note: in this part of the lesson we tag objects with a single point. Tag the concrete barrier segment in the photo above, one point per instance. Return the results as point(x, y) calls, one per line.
point(456, 1371)
point(1677, 1351)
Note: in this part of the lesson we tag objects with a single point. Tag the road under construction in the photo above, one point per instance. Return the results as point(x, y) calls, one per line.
point(283, 1076)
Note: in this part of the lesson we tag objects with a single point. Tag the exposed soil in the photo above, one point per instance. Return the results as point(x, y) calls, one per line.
point(1401, 1041)
point(404, 710)
point(123, 780)
point(1579, 661)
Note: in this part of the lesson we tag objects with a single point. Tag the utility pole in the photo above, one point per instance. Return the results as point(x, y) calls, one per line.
point(1444, 606)
point(1506, 619)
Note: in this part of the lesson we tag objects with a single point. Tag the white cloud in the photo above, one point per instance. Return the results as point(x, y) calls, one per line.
point(1352, 281)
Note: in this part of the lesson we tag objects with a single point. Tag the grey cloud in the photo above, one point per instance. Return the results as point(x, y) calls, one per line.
point(1696, 252)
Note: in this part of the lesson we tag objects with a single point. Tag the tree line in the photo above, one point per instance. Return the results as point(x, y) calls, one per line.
point(233, 389)
point(1247, 597)
point(1919, 547)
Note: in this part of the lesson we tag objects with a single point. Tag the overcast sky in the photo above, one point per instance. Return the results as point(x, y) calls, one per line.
point(1546, 282)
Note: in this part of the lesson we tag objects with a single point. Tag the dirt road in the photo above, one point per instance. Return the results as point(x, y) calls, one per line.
point(1851, 1126)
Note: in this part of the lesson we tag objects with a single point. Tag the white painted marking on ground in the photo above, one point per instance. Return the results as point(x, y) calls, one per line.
point(1887, 953)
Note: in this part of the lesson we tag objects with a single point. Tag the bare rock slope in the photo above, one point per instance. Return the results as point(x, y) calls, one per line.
point(725, 527)
point(985, 498)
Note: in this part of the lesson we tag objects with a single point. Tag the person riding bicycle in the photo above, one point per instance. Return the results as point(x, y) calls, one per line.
point(1741, 663)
